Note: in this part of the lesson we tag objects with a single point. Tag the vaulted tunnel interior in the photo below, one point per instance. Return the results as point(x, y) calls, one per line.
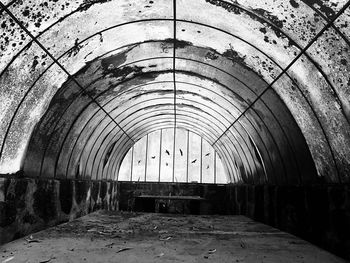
point(265, 85)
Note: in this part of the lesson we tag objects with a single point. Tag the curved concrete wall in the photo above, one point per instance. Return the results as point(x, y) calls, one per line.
point(263, 82)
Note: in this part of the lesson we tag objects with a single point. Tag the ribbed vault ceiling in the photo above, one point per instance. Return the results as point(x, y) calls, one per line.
point(266, 83)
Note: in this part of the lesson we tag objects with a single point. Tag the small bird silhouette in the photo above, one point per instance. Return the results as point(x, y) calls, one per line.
point(153, 157)
point(181, 152)
point(138, 162)
point(194, 161)
point(207, 154)
point(166, 164)
point(208, 167)
point(167, 152)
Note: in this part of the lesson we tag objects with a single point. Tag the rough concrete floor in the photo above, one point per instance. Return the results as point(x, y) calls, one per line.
point(140, 237)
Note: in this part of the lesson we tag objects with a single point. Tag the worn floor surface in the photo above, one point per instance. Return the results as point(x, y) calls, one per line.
point(140, 237)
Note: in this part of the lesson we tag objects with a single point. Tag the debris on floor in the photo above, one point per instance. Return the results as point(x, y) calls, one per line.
point(8, 259)
point(110, 245)
point(123, 249)
point(165, 238)
point(46, 260)
point(81, 241)
point(31, 239)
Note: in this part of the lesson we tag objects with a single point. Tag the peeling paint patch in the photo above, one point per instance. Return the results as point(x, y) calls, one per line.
point(323, 6)
point(75, 50)
point(233, 55)
point(227, 6)
point(274, 19)
point(211, 56)
point(294, 3)
point(88, 3)
point(178, 43)
point(123, 72)
point(113, 61)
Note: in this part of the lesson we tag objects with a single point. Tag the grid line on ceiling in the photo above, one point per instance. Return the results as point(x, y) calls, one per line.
point(60, 65)
point(318, 12)
point(171, 57)
point(174, 58)
point(7, 5)
point(174, 81)
point(174, 65)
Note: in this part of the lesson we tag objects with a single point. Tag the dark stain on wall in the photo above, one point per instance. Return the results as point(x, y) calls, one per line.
point(44, 198)
point(103, 190)
point(95, 190)
point(80, 190)
point(66, 194)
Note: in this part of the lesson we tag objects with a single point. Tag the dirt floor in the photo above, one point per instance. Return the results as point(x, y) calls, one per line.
point(140, 237)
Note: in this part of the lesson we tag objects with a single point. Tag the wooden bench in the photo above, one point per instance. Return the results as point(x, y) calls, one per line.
point(153, 203)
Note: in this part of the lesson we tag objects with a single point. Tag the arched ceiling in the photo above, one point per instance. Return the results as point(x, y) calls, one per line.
point(265, 82)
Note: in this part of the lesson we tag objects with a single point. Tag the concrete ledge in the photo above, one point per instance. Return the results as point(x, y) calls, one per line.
point(28, 204)
point(317, 213)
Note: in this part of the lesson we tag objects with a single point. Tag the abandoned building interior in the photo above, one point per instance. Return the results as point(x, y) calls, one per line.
point(174, 131)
